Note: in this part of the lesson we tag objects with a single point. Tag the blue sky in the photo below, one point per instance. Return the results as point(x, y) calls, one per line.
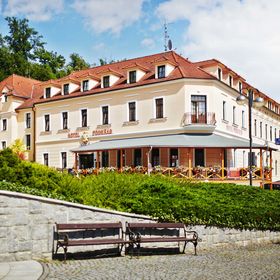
point(242, 34)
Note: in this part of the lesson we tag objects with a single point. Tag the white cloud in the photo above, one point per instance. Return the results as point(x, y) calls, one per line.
point(99, 46)
point(109, 15)
point(242, 34)
point(148, 43)
point(39, 10)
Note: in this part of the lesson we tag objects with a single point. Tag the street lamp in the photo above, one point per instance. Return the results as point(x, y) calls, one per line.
point(257, 103)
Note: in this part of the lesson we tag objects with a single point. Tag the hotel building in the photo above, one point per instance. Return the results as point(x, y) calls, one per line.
point(158, 110)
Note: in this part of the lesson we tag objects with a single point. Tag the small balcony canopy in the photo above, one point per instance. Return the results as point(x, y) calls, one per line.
point(174, 140)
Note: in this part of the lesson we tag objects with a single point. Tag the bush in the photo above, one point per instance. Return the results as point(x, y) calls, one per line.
point(168, 199)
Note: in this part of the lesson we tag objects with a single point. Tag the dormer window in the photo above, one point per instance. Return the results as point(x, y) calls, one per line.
point(240, 87)
point(85, 85)
point(230, 80)
point(106, 81)
point(161, 71)
point(220, 74)
point(66, 89)
point(132, 77)
point(5, 97)
point(48, 92)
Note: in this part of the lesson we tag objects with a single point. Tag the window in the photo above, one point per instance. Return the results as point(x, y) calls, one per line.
point(137, 157)
point(161, 71)
point(48, 92)
point(270, 133)
point(234, 115)
point(159, 108)
point(132, 111)
point(230, 80)
point(275, 133)
point(132, 77)
point(198, 104)
point(105, 115)
point(261, 134)
point(47, 122)
point(64, 120)
point(84, 117)
point(270, 105)
point(28, 141)
point(5, 96)
point(224, 110)
point(28, 120)
point(255, 127)
point(46, 159)
point(240, 87)
point(243, 119)
point(106, 81)
point(63, 160)
point(276, 109)
point(66, 89)
point(266, 132)
point(4, 144)
point(4, 124)
point(85, 85)
point(220, 74)
point(173, 159)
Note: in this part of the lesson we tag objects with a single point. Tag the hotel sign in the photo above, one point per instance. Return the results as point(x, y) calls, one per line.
point(104, 131)
point(74, 135)
point(277, 141)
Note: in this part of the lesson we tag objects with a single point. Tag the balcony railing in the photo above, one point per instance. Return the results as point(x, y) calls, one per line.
point(205, 118)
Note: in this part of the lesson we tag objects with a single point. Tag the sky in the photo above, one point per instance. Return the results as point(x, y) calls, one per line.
point(243, 34)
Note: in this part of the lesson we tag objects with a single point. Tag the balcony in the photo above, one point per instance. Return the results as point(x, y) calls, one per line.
point(204, 122)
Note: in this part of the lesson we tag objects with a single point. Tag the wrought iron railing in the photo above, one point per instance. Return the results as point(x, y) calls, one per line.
point(203, 118)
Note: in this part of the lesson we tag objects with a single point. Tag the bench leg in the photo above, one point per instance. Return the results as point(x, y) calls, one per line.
point(184, 249)
point(195, 244)
point(65, 253)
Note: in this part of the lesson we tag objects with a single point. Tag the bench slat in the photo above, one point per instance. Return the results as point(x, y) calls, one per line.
point(154, 225)
point(88, 226)
point(165, 239)
point(95, 242)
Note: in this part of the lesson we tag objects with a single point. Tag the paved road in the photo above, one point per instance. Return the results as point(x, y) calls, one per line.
point(255, 262)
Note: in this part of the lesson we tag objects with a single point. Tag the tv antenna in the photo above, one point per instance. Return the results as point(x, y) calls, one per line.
point(167, 40)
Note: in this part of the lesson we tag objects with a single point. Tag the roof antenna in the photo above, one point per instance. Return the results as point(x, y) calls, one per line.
point(167, 40)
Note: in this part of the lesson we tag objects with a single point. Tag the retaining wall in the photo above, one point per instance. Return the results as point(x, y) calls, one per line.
point(26, 226)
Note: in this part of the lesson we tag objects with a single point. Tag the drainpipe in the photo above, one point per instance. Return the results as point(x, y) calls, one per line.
point(34, 133)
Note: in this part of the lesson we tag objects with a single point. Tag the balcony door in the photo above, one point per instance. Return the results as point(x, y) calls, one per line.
point(198, 108)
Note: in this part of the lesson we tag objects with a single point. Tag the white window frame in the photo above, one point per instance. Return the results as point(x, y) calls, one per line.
point(220, 79)
point(25, 119)
point(81, 118)
point(68, 88)
point(82, 85)
point(154, 106)
point(2, 124)
point(230, 80)
point(61, 159)
point(101, 114)
point(62, 119)
point(43, 158)
point(25, 139)
point(136, 111)
point(45, 92)
point(224, 111)
point(4, 141)
point(44, 122)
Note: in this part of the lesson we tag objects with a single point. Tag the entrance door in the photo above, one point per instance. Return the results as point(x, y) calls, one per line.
point(137, 157)
point(199, 157)
point(155, 157)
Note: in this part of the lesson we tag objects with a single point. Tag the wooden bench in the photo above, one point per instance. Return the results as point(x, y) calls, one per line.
point(68, 235)
point(160, 232)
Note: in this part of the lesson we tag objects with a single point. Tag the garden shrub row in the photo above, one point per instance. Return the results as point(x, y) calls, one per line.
point(168, 199)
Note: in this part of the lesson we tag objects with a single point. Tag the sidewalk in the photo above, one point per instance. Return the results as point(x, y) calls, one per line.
point(21, 270)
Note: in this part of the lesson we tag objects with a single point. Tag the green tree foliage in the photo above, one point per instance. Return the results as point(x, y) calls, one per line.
point(23, 52)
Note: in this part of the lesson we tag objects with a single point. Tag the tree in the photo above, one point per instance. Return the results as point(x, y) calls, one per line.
point(18, 148)
point(76, 63)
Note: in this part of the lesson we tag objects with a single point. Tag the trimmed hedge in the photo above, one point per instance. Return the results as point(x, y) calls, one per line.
point(168, 199)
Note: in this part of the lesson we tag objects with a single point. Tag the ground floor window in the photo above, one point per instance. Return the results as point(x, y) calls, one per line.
point(86, 161)
point(173, 158)
point(46, 159)
point(155, 157)
point(199, 157)
point(254, 159)
point(137, 157)
point(105, 159)
point(63, 160)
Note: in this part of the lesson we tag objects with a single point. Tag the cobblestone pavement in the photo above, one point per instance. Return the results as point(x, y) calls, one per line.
point(254, 262)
